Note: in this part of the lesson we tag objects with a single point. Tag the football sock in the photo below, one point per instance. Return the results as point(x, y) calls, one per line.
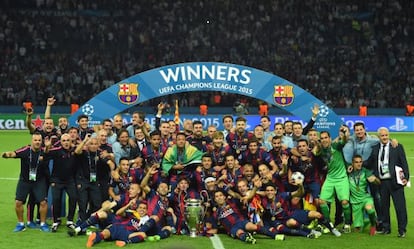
point(266, 231)
point(347, 213)
point(242, 236)
point(325, 210)
point(295, 232)
point(92, 220)
point(148, 225)
point(165, 233)
point(372, 216)
point(135, 239)
point(99, 237)
point(169, 219)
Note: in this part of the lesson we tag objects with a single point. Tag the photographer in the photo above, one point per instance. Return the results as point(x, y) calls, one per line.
point(240, 109)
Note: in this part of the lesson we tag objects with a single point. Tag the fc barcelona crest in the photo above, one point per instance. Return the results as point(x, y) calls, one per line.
point(283, 95)
point(128, 93)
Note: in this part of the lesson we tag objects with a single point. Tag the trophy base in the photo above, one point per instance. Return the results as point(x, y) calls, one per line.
point(193, 234)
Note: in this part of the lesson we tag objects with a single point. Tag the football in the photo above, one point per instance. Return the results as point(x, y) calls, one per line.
point(297, 177)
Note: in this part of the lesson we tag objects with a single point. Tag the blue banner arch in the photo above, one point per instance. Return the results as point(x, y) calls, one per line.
point(207, 76)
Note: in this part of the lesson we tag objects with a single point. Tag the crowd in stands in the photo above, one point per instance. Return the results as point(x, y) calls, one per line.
point(347, 54)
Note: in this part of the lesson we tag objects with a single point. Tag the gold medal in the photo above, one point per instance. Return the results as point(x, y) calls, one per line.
point(273, 218)
point(237, 151)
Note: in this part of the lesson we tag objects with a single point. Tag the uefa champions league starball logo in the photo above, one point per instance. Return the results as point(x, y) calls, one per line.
point(87, 109)
point(323, 111)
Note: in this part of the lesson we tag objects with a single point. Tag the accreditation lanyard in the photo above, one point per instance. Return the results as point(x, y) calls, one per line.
point(33, 170)
point(92, 166)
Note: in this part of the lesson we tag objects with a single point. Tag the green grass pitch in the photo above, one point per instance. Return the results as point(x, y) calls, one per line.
point(35, 239)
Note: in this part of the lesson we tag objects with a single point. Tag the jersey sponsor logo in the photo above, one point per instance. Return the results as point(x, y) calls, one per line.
point(283, 95)
point(225, 211)
point(136, 224)
point(128, 93)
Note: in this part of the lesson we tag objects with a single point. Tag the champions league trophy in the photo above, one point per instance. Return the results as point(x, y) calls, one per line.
point(194, 215)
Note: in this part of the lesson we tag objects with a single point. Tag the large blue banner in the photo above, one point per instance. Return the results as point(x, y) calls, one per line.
point(207, 76)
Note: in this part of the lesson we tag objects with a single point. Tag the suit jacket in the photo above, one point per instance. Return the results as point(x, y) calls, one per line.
point(396, 158)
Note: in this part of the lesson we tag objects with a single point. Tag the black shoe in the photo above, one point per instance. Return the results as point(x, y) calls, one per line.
point(384, 231)
point(54, 227)
point(72, 232)
point(71, 226)
point(380, 227)
point(401, 235)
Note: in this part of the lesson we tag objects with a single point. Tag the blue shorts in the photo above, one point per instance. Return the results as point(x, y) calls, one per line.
point(111, 219)
point(118, 232)
point(300, 216)
point(314, 188)
point(273, 223)
point(239, 225)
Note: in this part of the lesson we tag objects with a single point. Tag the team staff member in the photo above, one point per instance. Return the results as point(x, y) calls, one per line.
point(62, 178)
point(87, 175)
point(32, 179)
point(391, 167)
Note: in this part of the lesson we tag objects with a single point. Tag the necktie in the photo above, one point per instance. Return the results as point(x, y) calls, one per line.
point(141, 145)
point(382, 153)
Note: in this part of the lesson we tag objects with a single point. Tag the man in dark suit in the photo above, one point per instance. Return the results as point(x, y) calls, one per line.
point(390, 166)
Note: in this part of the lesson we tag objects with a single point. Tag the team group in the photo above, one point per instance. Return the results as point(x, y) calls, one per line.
point(135, 181)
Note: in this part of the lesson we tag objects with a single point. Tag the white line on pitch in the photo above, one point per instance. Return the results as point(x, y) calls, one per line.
point(9, 179)
point(215, 240)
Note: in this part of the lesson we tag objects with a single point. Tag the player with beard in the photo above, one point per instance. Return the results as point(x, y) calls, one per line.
point(228, 176)
point(238, 140)
point(234, 222)
point(121, 181)
point(197, 139)
point(158, 204)
point(180, 195)
point(277, 153)
point(310, 166)
point(110, 210)
point(279, 214)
